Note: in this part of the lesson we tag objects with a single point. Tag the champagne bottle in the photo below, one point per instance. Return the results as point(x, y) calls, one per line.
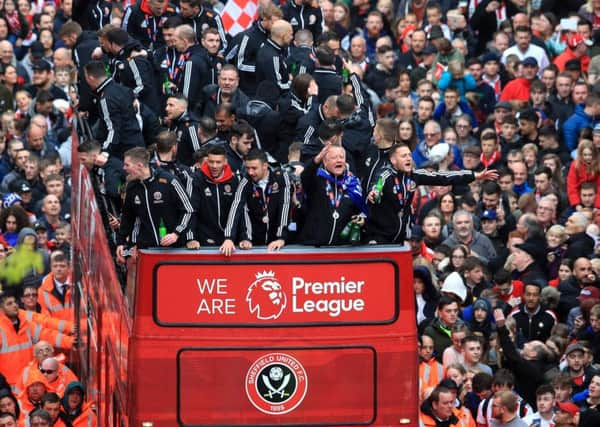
point(162, 229)
point(378, 190)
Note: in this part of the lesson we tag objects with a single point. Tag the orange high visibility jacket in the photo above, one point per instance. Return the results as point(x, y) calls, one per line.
point(431, 372)
point(26, 406)
point(65, 376)
point(16, 347)
point(87, 418)
point(62, 326)
point(50, 303)
point(427, 421)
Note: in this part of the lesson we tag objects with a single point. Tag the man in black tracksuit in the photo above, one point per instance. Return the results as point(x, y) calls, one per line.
point(121, 130)
point(270, 61)
point(226, 90)
point(91, 15)
point(262, 201)
point(164, 158)
point(82, 44)
point(192, 66)
point(333, 196)
point(302, 15)
point(244, 47)
point(185, 126)
point(131, 67)
point(390, 210)
point(144, 20)
point(215, 186)
point(302, 58)
point(200, 18)
point(154, 201)
point(329, 82)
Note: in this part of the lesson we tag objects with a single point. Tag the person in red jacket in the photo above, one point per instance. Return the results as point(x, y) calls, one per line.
point(586, 168)
point(576, 49)
point(519, 89)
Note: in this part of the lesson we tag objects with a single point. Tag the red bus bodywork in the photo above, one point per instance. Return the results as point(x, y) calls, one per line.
point(300, 337)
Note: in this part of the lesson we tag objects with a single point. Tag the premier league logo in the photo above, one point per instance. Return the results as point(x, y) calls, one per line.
point(265, 296)
point(276, 383)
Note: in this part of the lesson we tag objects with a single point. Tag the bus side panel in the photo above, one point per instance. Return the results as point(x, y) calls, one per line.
point(174, 371)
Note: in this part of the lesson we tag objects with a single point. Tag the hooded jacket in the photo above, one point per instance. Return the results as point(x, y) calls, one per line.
point(132, 68)
point(430, 294)
point(83, 415)
point(143, 26)
point(579, 120)
point(578, 175)
point(212, 200)
point(27, 406)
point(266, 121)
point(18, 340)
point(428, 419)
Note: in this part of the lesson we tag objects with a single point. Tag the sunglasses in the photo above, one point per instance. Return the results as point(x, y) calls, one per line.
point(47, 371)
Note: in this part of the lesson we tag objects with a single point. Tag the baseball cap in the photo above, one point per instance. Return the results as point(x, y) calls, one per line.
point(37, 50)
point(568, 407)
point(23, 187)
point(573, 65)
point(489, 214)
point(435, 32)
point(530, 115)
point(504, 104)
point(41, 65)
point(589, 292)
point(576, 39)
point(416, 233)
point(430, 49)
point(489, 56)
point(535, 247)
point(574, 347)
point(529, 61)
point(39, 226)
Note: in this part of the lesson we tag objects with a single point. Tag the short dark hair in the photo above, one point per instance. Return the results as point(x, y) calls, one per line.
point(240, 128)
point(89, 146)
point(325, 55)
point(544, 170)
point(50, 397)
point(216, 150)
point(522, 29)
point(504, 377)
point(95, 69)
point(444, 301)
point(329, 128)
point(118, 36)
point(256, 154)
point(490, 187)
point(345, 104)
point(545, 388)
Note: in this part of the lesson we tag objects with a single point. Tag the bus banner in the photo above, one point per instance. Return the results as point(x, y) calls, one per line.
point(246, 294)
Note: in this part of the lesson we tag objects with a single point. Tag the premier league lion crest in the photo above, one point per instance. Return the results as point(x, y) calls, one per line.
point(276, 383)
point(265, 297)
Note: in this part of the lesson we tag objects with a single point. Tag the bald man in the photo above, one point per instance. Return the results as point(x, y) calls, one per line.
point(62, 57)
point(270, 61)
point(57, 375)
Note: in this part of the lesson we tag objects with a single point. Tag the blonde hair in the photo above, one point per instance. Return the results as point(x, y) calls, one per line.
point(559, 231)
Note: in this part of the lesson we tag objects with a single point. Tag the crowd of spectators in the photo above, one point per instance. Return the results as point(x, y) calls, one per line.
point(468, 130)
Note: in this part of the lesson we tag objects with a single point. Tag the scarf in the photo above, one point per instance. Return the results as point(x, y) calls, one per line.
point(348, 183)
point(487, 162)
point(14, 24)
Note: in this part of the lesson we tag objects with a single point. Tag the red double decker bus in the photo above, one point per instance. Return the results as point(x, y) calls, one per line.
point(301, 337)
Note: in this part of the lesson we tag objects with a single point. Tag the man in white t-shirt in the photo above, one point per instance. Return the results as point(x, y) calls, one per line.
point(524, 48)
point(545, 401)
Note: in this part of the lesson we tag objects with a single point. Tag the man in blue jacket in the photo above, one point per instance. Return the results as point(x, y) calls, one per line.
point(586, 115)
